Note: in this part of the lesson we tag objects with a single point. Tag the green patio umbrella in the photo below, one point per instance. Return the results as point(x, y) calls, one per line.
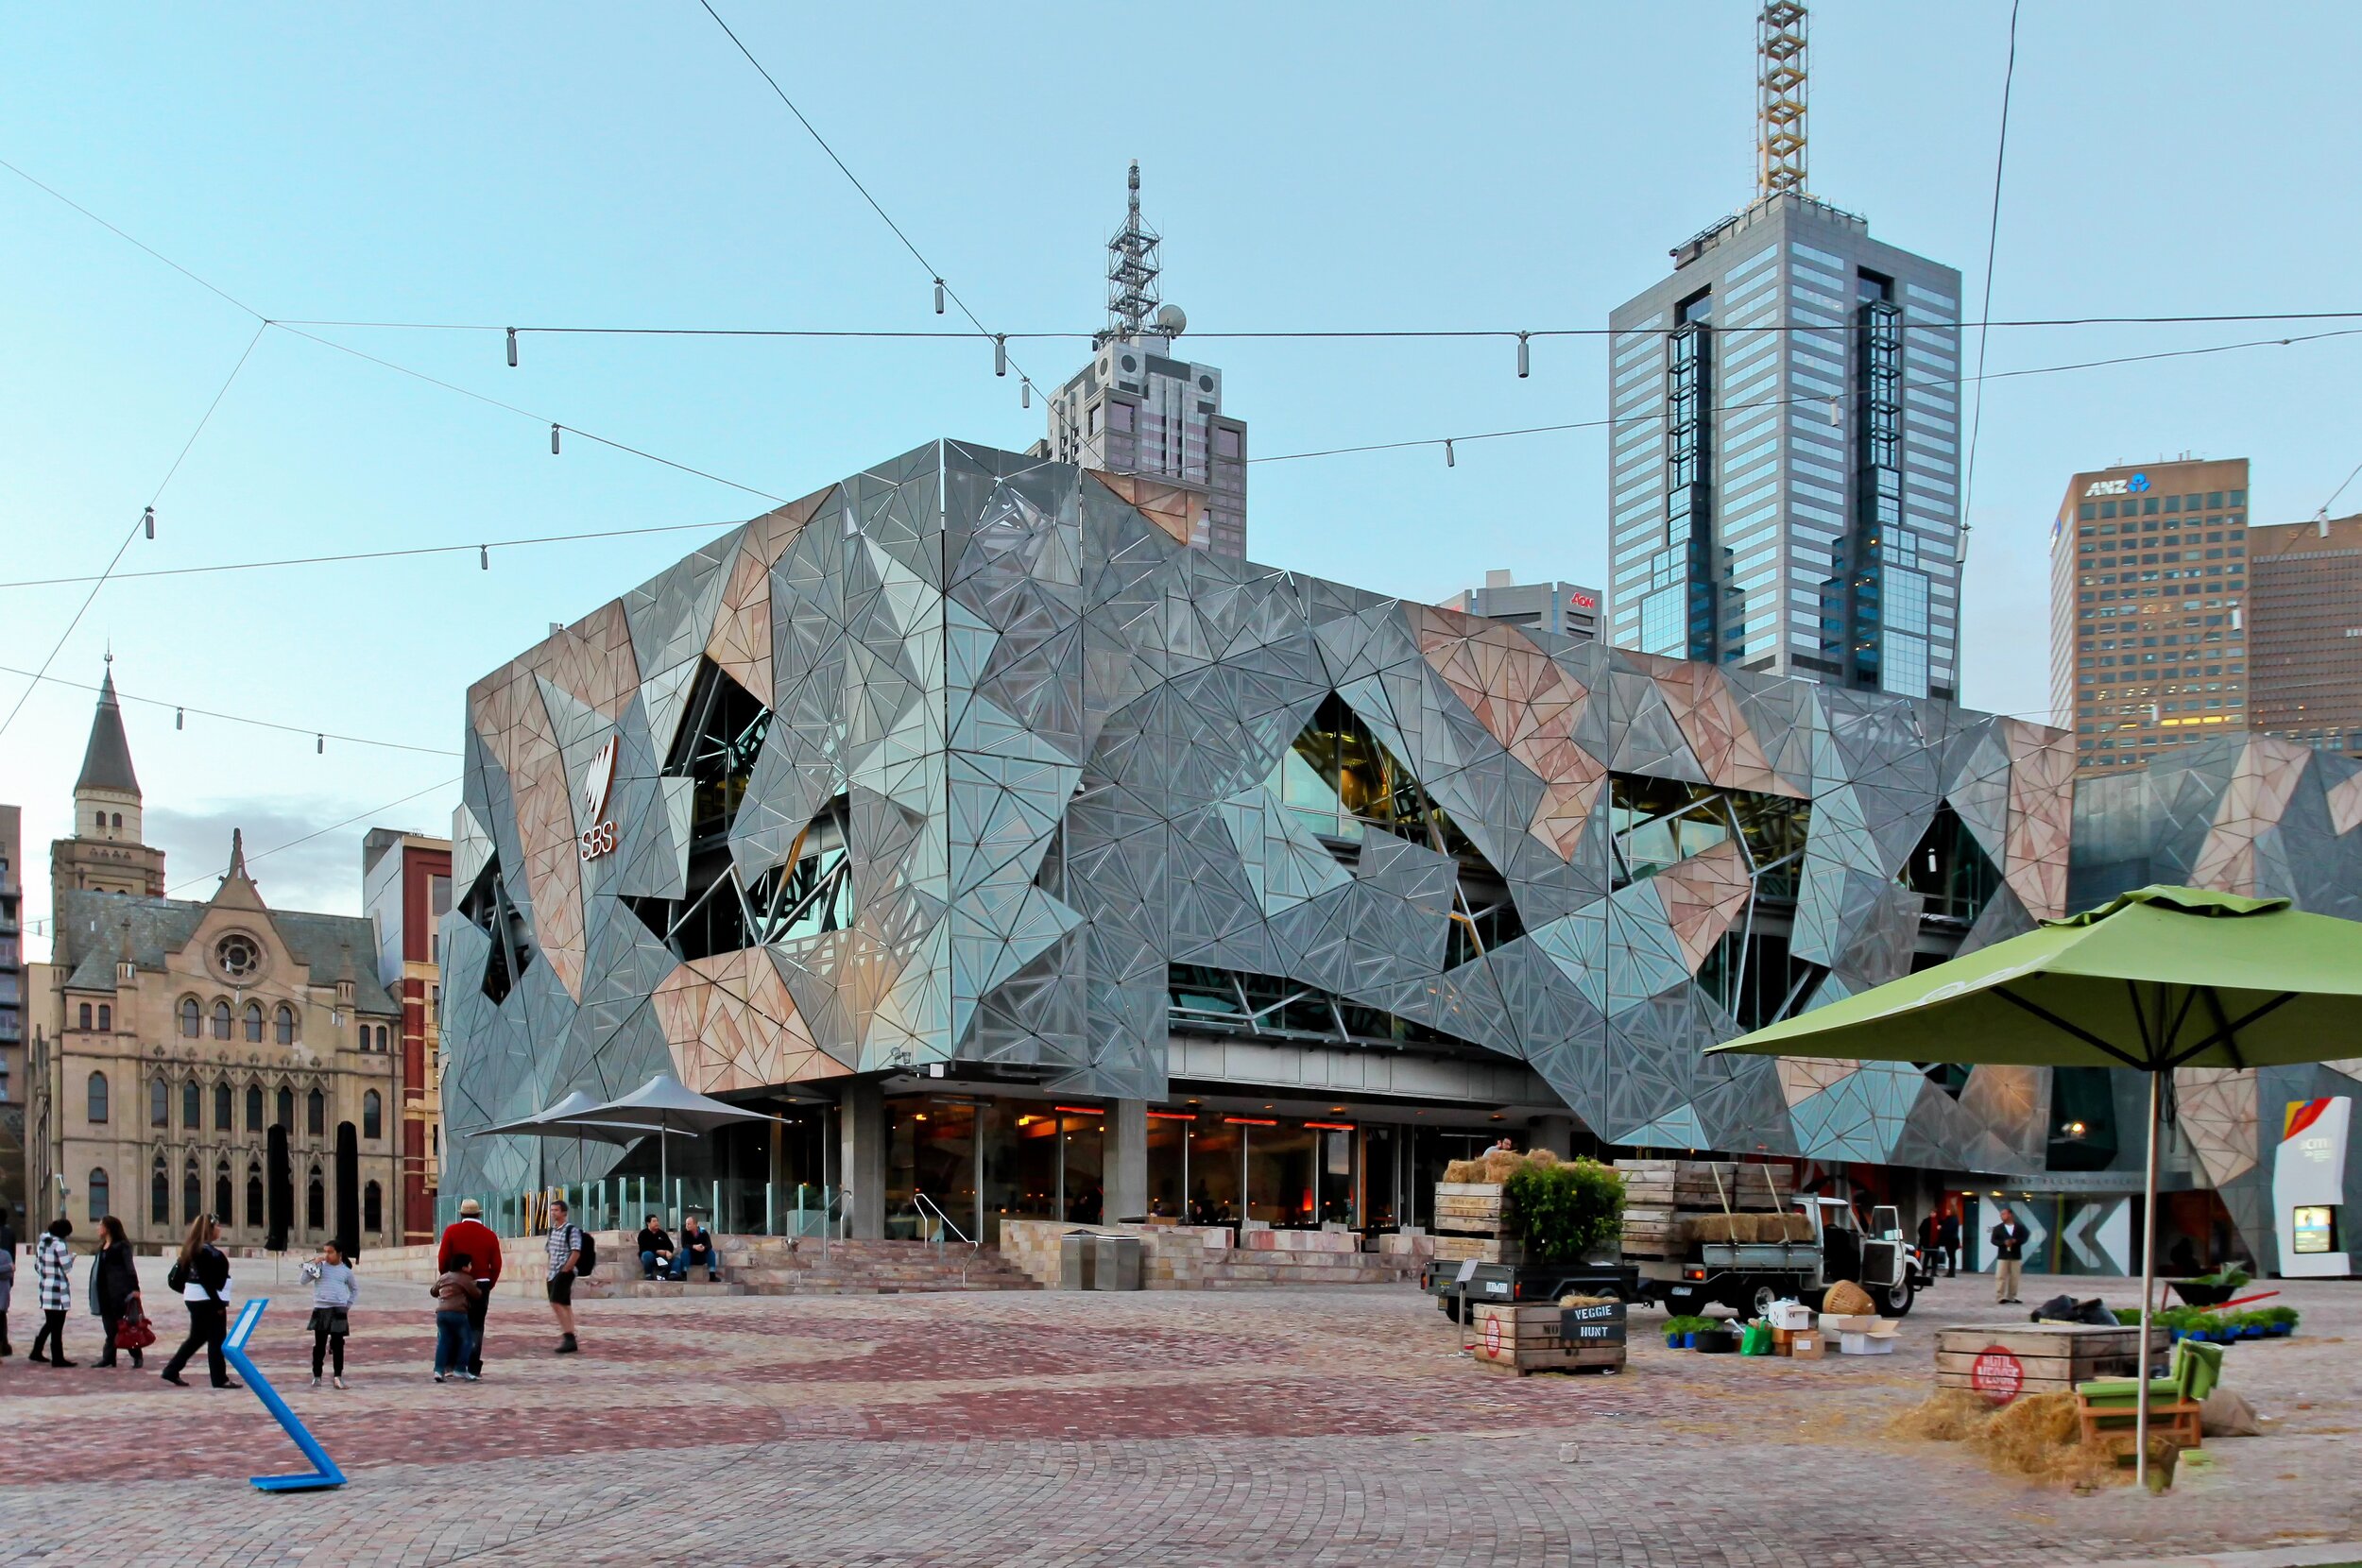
point(2156, 979)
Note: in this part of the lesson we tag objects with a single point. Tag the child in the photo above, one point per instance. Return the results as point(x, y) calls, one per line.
point(452, 1291)
point(333, 1292)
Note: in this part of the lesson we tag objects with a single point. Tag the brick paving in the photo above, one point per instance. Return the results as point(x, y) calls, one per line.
point(1320, 1427)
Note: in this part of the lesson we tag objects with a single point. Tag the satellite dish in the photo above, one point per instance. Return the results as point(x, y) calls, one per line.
point(1171, 321)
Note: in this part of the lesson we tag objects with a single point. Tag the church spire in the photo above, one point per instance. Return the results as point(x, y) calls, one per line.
point(106, 761)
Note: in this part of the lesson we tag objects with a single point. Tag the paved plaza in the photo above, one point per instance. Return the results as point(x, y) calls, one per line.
point(1336, 1426)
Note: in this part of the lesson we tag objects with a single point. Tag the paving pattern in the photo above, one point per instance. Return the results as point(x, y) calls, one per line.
point(1335, 1426)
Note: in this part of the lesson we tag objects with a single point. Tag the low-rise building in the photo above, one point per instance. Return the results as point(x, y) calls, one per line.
point(405, 887)
point(1562, 609)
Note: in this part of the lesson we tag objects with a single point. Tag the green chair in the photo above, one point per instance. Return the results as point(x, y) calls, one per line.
point(2112, 1405)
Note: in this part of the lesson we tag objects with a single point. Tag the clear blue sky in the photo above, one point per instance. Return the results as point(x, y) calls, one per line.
point(1312, 166)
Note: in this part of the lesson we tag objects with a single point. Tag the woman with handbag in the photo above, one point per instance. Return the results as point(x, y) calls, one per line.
point(333, 1292)
point(201, 1274)
point(117, 1282)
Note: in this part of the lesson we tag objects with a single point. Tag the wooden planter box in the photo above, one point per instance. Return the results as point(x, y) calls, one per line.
point(1693, 1185)
point(1484, 1249)
point(2038, 1358)
point(1468, 1206)
point(1532, 1337)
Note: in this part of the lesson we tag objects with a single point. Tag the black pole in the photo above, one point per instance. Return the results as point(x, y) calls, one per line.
point(279, 1188)
point(348, 1232)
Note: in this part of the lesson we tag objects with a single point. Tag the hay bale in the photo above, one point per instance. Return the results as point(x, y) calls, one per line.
point(1465, 1170)
point(1540, 1158)
point(2038, 1437)
point(1846, 1299)
point(1948, 1415)
point(1502, 1163)
point(1587, 1301)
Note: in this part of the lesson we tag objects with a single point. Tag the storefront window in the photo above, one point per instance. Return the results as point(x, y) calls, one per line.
point(1082, 1190)
point(1168, 1163)
point(1214, 1146)
point(1282, 1184)
point(931, 1151)
point(1382, 1152)
point(1020, 1164)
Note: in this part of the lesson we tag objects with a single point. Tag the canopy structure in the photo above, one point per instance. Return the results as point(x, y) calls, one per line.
point(2156, 979)
point(662, 1105)
point(546, 1123)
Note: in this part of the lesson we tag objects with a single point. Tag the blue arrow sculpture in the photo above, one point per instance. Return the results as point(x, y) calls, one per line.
point(324, 1472)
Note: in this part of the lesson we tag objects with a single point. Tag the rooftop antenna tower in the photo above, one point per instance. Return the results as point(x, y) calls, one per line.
point(1780, 98)
point(1132, 265)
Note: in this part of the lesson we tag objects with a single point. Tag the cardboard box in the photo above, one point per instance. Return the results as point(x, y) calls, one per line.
point(1807, 1344)
point(1847, 1323)
point(1791, 1315)
point(1866, 1345)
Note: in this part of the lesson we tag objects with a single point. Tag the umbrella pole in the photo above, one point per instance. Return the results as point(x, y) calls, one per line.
point(2149, 1286)
point(663, 1177)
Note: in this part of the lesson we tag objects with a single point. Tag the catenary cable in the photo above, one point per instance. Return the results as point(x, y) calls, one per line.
point(1992, 237)
point(307, 731)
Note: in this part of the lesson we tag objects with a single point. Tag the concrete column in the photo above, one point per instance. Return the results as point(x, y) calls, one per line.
point(861, 1160)
point(1555, 1133)
point(1126, 1157)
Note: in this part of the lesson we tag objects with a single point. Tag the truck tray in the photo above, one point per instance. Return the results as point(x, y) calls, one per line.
point(1763, 1257)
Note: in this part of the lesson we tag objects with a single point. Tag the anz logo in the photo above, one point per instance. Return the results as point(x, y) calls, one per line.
point(2131, 486)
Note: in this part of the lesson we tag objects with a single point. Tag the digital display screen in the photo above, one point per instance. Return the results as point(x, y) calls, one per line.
point(2313, 1228)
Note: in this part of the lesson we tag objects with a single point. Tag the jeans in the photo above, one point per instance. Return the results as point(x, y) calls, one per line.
point(476, 1309)
point(682, 1264)
point(2005, 1278)
point(454, 1340)
point(208, 1322)
point(651, 1266)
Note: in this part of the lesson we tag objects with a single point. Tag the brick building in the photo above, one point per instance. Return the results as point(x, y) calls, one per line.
point(406, 890)
point(2304, 605)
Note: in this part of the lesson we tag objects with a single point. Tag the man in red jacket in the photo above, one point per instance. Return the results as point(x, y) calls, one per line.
point(471, 1248)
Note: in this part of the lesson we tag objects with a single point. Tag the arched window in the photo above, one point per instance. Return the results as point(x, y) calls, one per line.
point(286, 1107)
point(316, 1203)
point(372, 1208)
point(106, 1017)
point(254, 1023)
point(158, 1194)
point(372, 1118)
point(82, 1014)
point(96, 1095)
point(118, 819)
point(97, 1190)
point(254, 1107)
point(283, 1022)
point(98, 821)
point(192, 1194)
point(382, 1043)
point(254, 1218)
point(192, 1018)
point(221, 1107)
point(159, 1104)
point(223, 1208)
point(221, 1020)
point(316, 1114)
point(192, 1106)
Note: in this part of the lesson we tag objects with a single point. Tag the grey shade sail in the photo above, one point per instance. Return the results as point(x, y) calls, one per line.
point(545, 1124)
point(664, 1103)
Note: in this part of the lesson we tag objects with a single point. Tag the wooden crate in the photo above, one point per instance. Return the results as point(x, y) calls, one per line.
point(1468, 1206)
point(1527, 1338)
point(1484, 1249)
point(2038, 1358)
point(1653, 1232)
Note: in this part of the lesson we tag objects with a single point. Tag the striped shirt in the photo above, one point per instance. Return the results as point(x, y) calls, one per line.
point(564, 1241)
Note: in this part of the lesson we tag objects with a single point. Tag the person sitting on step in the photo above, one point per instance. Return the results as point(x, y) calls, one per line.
point(655, 1249)
point(696, 1251)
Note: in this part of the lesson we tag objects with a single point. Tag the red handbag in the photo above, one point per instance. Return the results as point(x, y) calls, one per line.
point(134, 1333)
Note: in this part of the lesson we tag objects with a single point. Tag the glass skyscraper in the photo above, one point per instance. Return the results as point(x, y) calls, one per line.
point(1783, 463)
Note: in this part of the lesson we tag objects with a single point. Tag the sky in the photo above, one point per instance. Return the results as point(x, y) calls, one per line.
point(1314, 166)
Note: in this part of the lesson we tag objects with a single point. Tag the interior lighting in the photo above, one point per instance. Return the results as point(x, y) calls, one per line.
point(553, 440)
point(1001, 353)
point(1081, 1110)
point(148, 521)
point(1331, 1125)
point(1170, 1115)
point(1525, 357)
point(1248, 1121)
point(512, 348)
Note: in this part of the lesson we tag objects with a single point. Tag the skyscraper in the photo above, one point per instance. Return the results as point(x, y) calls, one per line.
point(1137, 408)
point(2305, 608)
point(1784, 461)
point(2148, 593)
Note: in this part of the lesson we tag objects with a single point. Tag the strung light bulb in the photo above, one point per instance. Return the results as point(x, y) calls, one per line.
point(2152, 713)
point(938, 296)
point(2235, 618)
point(553, 440)
point(1024, 394)
point(148, 521)
point(1525, 359)
point(179, 718)
point(319, 745)
point(483, 558)
point(1835, 417)
point(2321, 522)
point(1449, 460)
point(512, 348)
point(1001, 353)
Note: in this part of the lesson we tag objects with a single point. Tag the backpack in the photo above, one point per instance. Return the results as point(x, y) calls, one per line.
point(586, 1253)
point(178, 1279)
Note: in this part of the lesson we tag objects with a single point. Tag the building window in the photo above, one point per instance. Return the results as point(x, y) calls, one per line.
point(192, 1018)
point(221, 1107)
point(192, 1194)
point(106, 1018)
point(286, 1107)
point(283, 1022)
point(316, 1114)
point(254, 1023)
point(372, 1118)
point(192, 1106)
point(82, 1015)
point(221, 1020)
point(254, 1216)
point(158, 1194)
point(159, 1104)
point(223, 1209)
point(316, 1203)
point(254, 1107)
point(372, 1208)
point(95, 1189)
point(95, 1093)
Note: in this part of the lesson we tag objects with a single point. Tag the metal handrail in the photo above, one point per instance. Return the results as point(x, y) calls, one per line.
point(926, 1205)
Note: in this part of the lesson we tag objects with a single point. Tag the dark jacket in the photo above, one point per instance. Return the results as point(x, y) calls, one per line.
point(1948, 1233)
point(653, 1239)
point(2010, 1238)
point(696, 1244)
point(212, 1270)
point(118, 1279)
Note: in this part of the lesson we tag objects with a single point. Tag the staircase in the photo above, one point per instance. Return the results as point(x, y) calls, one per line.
point(777, 1265)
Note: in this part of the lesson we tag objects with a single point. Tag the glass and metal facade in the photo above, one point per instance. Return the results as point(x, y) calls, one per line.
point(1783, 455)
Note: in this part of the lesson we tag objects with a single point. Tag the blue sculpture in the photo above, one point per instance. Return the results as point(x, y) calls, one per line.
point(325, 1472)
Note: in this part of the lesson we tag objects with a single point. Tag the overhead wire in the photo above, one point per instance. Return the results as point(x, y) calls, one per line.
point(309, 731)
point(1993, 238)
point(253, 856)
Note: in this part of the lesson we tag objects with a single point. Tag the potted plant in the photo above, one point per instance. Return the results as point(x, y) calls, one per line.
point(2279, 1322)
point(1564, 1211)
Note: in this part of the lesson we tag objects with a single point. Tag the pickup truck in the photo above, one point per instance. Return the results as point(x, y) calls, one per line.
point(1748, 1276)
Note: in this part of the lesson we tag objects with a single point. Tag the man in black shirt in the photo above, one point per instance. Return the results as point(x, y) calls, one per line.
point(2008, 1247)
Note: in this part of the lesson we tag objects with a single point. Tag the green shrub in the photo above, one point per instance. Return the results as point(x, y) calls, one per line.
point(2130, 1316)
point(1564, 1210)
point(2226, 1275)
point(2279, 1315)
point(1687, 1324)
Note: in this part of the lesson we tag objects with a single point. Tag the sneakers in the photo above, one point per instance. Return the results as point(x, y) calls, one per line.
point(438, 1377)
point(464, 1377)
point(567, 1347)
point(338, 1380)
point(316, 1382)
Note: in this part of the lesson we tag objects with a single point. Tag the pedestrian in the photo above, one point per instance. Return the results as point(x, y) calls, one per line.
point(53, 1267)
point(454, 1291)
point(333, 1292)
point(565, 1247)
point(8, 1282)
point(655, 1249)
point(2009, 1248)
point(1948, 1237)
point(120, 1311)
point(201, 1274)
point(470, 1244)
